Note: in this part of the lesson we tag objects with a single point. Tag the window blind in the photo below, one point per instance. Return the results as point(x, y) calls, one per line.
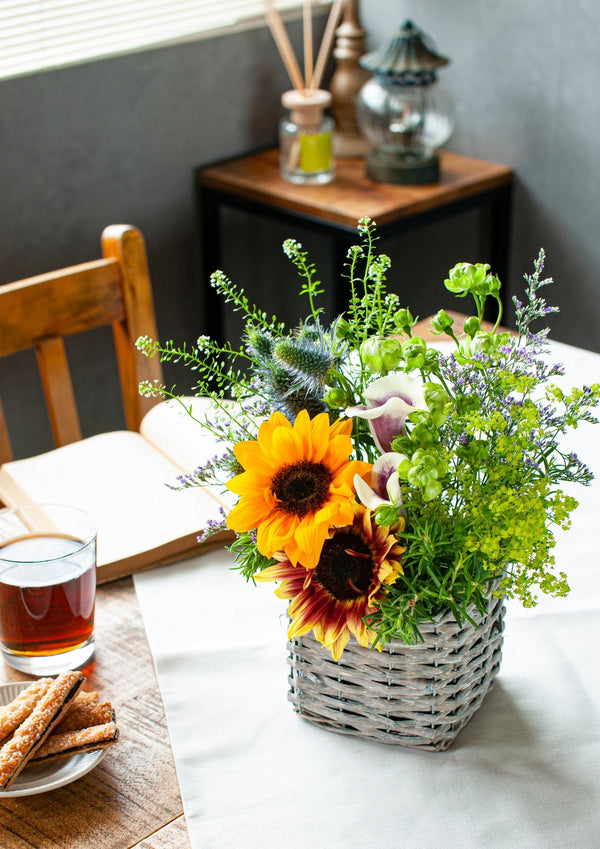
point(43, 34)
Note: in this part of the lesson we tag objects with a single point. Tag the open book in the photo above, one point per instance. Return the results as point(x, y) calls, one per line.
point(122, 480)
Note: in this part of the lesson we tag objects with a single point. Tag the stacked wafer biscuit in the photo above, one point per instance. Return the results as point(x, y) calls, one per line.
point(53, 717)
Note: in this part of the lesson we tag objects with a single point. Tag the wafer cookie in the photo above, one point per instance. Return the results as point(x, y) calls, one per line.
point(31, 733)
point(75, 742)
point(83, 715)
point(17, 711)
point(84, 697)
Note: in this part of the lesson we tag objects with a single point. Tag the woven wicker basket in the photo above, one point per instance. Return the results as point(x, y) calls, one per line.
point(410, 695)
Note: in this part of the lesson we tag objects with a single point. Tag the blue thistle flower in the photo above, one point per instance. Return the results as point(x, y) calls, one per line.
point(304, 358)
point(260, 343)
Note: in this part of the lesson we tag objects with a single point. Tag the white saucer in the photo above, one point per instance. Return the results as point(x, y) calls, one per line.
point(43, 777)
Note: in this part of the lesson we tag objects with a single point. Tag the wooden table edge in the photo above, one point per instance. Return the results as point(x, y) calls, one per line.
point(173, 834)
point(169, 836)
point(228, 177)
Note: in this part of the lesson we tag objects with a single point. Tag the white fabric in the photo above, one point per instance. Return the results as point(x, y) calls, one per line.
point(524, 774)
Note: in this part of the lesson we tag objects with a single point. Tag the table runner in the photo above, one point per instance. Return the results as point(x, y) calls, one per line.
point(524, 773)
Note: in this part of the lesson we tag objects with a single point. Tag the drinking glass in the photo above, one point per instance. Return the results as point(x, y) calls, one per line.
point(47, 587)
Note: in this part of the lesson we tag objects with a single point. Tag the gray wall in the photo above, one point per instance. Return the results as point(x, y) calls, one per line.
point(117, 141)
point(524, 77)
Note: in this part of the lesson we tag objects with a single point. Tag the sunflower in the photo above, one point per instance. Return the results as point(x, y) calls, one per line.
point(356, 563)
point(297, 485)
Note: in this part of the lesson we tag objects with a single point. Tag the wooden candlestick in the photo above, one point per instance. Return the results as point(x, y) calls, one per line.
point(347, 80)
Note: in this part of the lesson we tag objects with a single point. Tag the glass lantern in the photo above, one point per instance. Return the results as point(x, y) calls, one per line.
point(403, 110)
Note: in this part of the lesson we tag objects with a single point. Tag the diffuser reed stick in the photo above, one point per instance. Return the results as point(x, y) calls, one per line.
point(312, 76)
point(308, 44)
point(332, 22)
point(284, 46)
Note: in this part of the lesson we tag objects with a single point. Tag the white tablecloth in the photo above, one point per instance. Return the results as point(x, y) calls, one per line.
point(524, 774)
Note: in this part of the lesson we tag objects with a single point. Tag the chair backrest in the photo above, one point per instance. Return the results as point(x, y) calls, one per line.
point(40, 311)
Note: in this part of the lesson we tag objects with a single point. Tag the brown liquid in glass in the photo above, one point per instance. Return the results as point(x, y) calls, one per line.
point(51, 615)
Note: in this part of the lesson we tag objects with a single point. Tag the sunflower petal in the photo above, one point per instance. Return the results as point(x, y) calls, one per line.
point(274, 532)
point(284, 444)
point(247, 514)
point(317, 438)
point(305, 618)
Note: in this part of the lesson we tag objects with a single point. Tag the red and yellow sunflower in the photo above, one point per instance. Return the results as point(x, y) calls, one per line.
point(356, 563)
point(297, 485)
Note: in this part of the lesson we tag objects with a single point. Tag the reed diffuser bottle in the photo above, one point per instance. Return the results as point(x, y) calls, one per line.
point(305, 137)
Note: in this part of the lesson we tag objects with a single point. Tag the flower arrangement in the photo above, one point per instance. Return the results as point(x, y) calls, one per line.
point(383, 480)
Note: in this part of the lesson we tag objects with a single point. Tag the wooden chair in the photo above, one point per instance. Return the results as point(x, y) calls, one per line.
point(40, 311)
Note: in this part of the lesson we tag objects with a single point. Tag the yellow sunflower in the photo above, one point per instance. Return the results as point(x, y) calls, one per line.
point(355, 565)
point(297, 485)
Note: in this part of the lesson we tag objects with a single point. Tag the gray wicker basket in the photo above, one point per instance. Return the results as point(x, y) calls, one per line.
point(409, 695)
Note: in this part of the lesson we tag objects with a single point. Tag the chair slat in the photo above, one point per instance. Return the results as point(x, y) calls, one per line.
point(58, 391)
point(87, 296)
point(127, 247)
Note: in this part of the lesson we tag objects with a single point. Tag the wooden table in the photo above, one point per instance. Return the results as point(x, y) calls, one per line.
point(254, 184)
point(132, 798)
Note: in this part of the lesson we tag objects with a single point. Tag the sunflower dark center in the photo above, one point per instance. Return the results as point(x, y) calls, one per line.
point(302, 487)
point(345, 568)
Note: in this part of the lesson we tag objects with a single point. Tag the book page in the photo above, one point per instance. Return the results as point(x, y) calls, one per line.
point(121, 481)
point(188, 444)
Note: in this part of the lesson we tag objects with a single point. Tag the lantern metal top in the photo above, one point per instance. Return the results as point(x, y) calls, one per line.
point(408, 58)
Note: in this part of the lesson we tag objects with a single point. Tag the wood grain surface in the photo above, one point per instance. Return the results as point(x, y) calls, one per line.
point(352, 195)
point(132, 798)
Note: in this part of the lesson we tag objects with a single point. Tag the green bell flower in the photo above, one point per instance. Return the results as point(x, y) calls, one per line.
point(467, 278)
point(423, 435)
point(471, 326)
point(391, 353)
point(370, 355)
point(336, 398)
point(483, 343)
point(432, 489)
point(381, 355)
point(404, 320)
point(423, 470)
point(438, 403)
point(342, 328)
point(414, 352)
point(441, 322)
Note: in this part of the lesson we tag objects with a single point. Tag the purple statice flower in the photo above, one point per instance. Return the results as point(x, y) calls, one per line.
point(213, 526)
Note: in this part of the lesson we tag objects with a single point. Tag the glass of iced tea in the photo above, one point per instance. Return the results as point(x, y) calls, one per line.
point(47, 587)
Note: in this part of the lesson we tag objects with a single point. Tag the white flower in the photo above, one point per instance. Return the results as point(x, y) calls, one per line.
point(385, 483)
point(389, 401)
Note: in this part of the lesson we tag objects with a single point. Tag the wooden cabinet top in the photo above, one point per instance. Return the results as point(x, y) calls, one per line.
point(352, 195)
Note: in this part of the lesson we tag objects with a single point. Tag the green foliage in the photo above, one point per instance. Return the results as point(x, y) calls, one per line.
point(249, 561)
point(480, 463)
